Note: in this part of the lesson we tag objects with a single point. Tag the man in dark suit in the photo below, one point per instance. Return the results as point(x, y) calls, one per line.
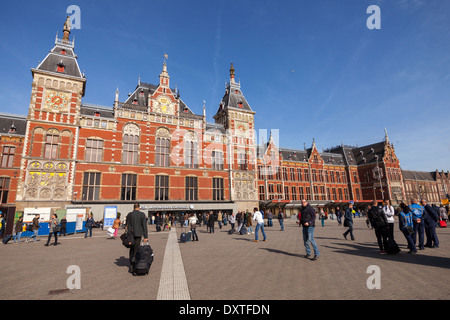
point(431, 221)
point(137, 224)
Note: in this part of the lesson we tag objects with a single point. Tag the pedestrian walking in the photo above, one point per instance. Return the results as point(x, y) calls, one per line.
point(443, 213)
point(270, 219)
point(219, 219)
point(419, 222)
point(249, 223)
point(257, 216)
point(89, 225)
point(431, 221)
point(232, 219)
point(339, 216)
point(308, 222)
point(348, 221)
point(405, 224)
point(389, 212)
point(281, 217)
point(137, 224)
point(116, 226)
point(379, 223)
point(35, 228)
point(53, 229)
point(193, 221)
point(322, 217)
point(63, 230)
point(211, 221)
point(18, 228)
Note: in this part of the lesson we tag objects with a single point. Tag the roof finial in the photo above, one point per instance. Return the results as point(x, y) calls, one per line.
point(232, 73)
point(386, 135)
point(66, 29)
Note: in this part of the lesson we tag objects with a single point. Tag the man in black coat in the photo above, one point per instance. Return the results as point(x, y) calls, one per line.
point(431, 218)
point(137, 224)
point(379, 223)
point(308, 221)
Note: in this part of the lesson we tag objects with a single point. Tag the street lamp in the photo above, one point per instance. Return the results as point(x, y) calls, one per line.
point(378, 174)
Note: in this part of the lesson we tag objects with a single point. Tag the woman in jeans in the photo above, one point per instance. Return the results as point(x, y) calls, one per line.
point(193, 223)
point(53, 224)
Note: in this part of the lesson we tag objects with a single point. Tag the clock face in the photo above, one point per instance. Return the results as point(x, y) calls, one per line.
point(56, 100)
point(241, 128)
point(164, 105)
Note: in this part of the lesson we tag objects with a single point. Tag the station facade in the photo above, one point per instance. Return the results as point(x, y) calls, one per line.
point(151, 148)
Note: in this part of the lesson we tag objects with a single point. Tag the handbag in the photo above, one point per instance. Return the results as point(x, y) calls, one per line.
point(409, 229)
point(57, 228)
point(127, 239)
point(442, 224)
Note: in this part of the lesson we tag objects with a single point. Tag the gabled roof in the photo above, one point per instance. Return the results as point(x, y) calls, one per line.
point(140, 95)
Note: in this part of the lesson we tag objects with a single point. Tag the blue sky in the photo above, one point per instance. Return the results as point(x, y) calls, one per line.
point(311, 69)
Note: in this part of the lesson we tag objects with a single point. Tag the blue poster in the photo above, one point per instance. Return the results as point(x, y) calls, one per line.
point(109, 216)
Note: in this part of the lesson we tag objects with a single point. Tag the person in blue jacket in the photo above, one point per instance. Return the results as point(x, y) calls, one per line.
point(405, 224)
point(418, 215)
point(431, 220)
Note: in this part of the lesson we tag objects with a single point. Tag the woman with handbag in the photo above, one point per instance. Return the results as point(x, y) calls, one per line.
point(53, 229)
point(405, 223)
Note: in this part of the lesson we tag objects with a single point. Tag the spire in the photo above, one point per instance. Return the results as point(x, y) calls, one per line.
point(232, 73)
point(204, 108)
point(314, 144)
point(386, 138)
point(164, 76)
point(66, 29)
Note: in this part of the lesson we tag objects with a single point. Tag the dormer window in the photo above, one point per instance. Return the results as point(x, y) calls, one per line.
point(63, 52)
point(60, 67)
point(12, 129)
point(97, 113)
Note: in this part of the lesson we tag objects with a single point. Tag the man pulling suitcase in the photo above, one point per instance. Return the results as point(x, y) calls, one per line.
point(136, 223)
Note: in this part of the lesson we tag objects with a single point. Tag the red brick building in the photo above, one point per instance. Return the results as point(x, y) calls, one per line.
point(152, 149)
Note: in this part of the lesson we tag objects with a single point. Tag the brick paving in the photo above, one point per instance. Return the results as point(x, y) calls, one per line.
point(223, 267)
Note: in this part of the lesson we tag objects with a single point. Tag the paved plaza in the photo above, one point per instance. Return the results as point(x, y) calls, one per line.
point(227, 267)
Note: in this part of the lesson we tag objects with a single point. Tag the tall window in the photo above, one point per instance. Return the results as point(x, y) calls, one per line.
point(191, 188)
point(294, 193)
point(161, 187)
point(94, 150)
point(91, 186)
point(262, 193)
point(162, 147)
point(4, 189)
point(218, 190)
point(130, 149)
point(8, 156)
point(128, 189)
point(51, 146)
point(191, 150)
point(162, 152)
point(217, 160)
point(242, 160)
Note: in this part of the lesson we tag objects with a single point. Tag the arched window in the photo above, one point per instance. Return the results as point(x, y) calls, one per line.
point(130, 144)
point(162, 148)
point(191, 150)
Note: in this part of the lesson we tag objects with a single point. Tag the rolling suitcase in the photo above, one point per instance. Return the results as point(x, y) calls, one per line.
point(183, 237)
point(243, 230)
point(442, 223)
point(231, 231)
point(7, 238)
point(144, 259)
point(188, 236)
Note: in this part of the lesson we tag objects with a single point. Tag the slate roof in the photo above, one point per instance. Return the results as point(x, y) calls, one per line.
point(144, 90)
point(54, 58)
point(234, 98)
point(418, 175)
point(9, 120)
point(90, 110)
point(360, 155)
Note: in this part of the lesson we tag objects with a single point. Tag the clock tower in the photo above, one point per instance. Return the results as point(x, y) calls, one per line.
point(238, 119)
point(49, 152)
